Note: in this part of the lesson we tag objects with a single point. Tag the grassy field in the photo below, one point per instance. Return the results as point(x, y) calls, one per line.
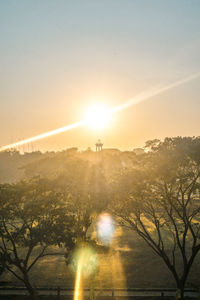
point(129, 263)
point(99, 298)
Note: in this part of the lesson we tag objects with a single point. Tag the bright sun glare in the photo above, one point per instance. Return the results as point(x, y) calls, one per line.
point(97, 117)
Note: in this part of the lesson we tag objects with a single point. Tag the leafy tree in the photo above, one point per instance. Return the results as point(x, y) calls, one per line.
point(39, 213)
point(86, 190)
point(160, 201)
point(31, 220)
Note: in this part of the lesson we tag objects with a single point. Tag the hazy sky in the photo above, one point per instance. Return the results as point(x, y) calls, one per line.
point(59, 57)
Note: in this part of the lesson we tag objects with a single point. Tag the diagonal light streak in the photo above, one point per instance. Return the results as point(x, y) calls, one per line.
point(137, 99)
point(154, 92)
point(42, 136)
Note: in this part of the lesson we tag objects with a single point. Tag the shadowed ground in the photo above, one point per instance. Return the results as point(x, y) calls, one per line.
point(129, 263)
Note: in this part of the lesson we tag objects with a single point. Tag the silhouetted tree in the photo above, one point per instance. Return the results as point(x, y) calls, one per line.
point(31, 218)
point(160, 200)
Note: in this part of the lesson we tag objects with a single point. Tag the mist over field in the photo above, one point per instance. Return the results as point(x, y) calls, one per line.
point(134, 215)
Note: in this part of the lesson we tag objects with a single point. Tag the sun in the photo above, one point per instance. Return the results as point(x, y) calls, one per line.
point(97, 117)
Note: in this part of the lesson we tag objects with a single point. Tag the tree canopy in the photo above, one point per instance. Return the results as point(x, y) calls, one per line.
point(159, 199)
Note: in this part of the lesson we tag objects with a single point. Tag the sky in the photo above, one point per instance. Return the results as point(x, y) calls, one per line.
point(59, 57)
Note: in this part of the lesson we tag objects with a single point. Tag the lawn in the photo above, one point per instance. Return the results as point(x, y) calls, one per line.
point(129, 263)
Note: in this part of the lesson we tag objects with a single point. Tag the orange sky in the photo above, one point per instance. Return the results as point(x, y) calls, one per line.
point(57, 58)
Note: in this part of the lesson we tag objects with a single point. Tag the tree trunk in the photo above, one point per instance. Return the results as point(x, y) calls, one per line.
point(181, 287)
point(182, 293)
point(29, 287)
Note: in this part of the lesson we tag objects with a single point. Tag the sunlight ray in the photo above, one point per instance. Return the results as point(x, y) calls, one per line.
point(42, 136)
point(137, 99)
point(154, 92)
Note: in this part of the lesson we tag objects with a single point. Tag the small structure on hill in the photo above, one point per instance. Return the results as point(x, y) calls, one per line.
point(99, 145)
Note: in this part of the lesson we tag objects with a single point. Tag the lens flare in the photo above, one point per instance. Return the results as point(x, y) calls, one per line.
point(105, 228)
point(87, 257)
point(78, 294)
point(154, 91)
point(86, 264)
point(42, 136)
